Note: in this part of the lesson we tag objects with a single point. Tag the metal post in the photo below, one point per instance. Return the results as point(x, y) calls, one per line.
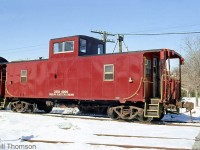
point(104, 37)
point(196, 95)
point(120, 39)
point(120, 44)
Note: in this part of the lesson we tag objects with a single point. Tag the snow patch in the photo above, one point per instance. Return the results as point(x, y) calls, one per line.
point(27, 137)
point(80, 132)
point(191, 99)
point(16, 126)
point(184, 116)
point(72, 111)
point(69, 111)
point(67, 126)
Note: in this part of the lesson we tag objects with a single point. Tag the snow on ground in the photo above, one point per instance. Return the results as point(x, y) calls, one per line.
point(191, 99)
point(14, 127)
point(184, 115)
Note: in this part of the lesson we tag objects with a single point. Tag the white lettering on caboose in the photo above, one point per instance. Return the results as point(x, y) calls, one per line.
point(61, 93)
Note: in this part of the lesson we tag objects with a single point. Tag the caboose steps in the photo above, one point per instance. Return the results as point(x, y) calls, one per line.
point(154, 100)
point(152, 109)
point(3, 103)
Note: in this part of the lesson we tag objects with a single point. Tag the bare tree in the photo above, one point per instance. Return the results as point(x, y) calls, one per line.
point(191, 68)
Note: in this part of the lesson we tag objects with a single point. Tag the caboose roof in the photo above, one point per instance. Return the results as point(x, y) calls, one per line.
point(173, 54)
point(80, 36)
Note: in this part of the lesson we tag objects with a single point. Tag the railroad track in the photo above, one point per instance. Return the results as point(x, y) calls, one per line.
point(148, 137)
point(135, 146)
point(85, 117)
point(114, 145)
point(105, 118)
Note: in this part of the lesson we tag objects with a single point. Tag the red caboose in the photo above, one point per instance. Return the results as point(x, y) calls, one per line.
point(79, 73)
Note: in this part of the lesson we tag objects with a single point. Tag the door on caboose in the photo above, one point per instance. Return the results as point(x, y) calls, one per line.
point(156, 82)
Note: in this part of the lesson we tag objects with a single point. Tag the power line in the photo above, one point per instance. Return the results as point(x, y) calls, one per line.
point(147, 34)
point(104, 35)
point(18, 51)
point(154, 34)
point(24, 47)
point(172, 27)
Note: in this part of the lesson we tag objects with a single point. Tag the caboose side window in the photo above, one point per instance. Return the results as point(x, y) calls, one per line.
point(100, 49)
point(63, 47)
point(68, 46)
point(57, 47)
point(108, 72)
point(148, 67)
point(23, 76)
point(83, 47)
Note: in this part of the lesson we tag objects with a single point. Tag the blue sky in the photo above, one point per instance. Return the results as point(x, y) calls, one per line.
point(26, 26)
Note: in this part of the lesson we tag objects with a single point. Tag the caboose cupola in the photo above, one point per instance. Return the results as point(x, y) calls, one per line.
point(75, 46)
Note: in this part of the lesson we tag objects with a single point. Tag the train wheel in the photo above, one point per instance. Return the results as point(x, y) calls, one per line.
point(127, 113)
point(112, 114)
point(31, 108)
point(21, 106)
point(18, 106)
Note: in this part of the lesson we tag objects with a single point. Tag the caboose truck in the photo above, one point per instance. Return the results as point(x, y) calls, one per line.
point(128, 85)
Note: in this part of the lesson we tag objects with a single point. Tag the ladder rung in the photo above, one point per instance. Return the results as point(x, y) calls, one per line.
point(153, 104)
point(155, 99)
point(152, 110)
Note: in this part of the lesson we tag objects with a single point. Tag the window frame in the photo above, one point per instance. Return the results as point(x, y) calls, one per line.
point(99, 50)
point(80, 52)
point(63, 47)
point(108, 72)
point(148, 67)
point(22, 76)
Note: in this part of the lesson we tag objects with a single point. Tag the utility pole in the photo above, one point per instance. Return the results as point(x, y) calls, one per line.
point(120, 39)
point(104, 36)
